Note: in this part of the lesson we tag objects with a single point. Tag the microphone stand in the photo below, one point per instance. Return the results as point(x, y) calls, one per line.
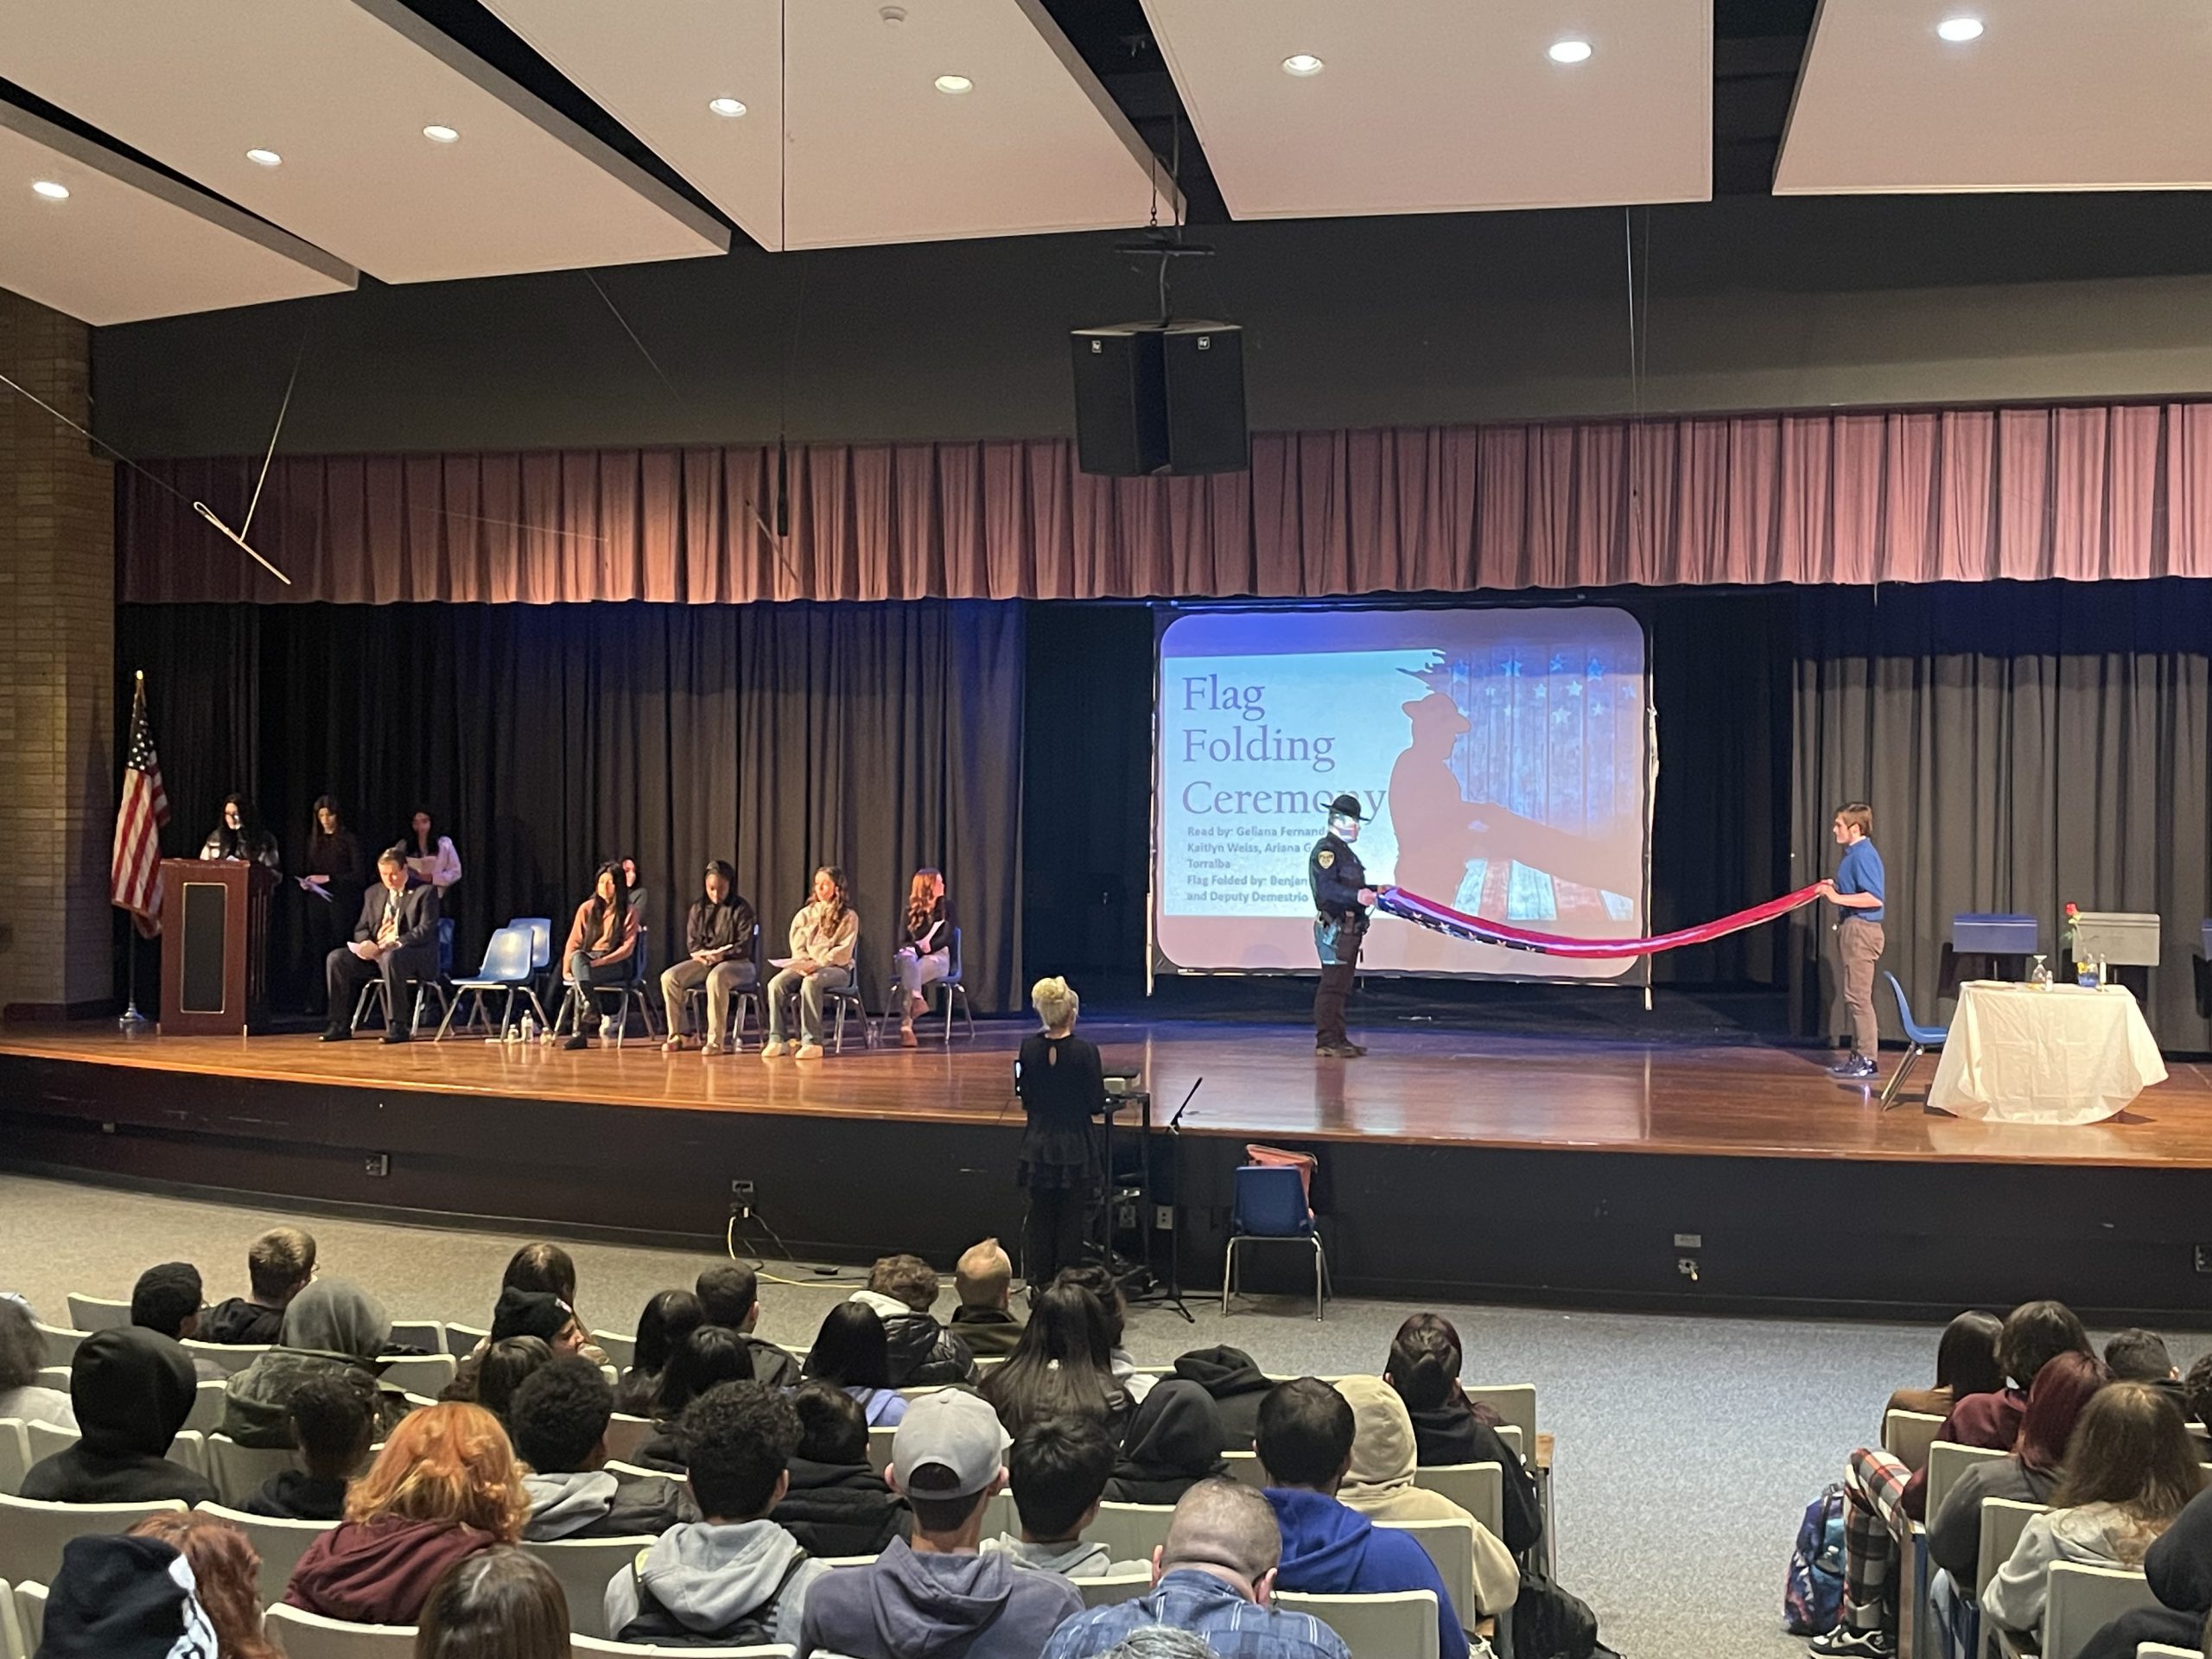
point(1167, 1292)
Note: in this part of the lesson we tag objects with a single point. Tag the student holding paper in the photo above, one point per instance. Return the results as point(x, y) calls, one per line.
point(925, 953)
point(825, 935)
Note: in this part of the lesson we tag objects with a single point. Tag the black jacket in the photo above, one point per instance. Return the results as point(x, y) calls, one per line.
point(1173, 1442)
point(842, 1508)
point(240, 1321)
point(418, 916)
point(989, 1331)
point(923, 1354)
point(295, 1495)
point(1237, 1385)
point(132, 1390)
point(2178, 1566)
point(1451, 1433)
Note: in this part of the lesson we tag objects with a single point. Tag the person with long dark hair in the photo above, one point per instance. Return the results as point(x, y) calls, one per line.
point(1424, 1366)
point(603, 941)
point(925, 953)
point(1062, 1367)
point(1062, 1084)
point(332, 881)
point(667, 1322)
point(852, 1350)
point(241, 835)
point(1966, 1363)
point(501, 1602)
point(710, 1357)
point(429, 855)
point(824, 936)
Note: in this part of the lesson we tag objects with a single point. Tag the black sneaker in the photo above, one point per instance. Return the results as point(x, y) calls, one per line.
point(1852, 1069)
point(396, 1034)
point(337, 1034)
point(1843, 1643)
point(575, 1040)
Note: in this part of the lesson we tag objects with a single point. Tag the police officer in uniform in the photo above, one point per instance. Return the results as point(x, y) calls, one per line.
point(1341, 897)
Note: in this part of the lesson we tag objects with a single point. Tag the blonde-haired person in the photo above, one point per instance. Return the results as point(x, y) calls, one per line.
point(824, 936)
point(1062, 1084)
point(924, 954)
point(445, 1487)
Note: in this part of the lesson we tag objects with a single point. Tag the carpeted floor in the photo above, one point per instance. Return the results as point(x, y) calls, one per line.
point(1686, 1447)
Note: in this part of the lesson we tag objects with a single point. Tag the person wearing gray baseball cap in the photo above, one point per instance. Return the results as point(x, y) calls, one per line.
point(938, 1595)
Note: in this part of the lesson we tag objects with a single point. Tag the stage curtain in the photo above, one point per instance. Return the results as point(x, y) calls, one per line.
point(2022, 747)
point(1824, 496)
point(544, 739)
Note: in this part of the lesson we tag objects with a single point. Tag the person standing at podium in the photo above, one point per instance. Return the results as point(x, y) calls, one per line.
point(396, 940)
point(240, 835)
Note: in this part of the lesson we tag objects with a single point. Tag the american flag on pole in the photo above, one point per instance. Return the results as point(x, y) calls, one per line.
point(135, 881)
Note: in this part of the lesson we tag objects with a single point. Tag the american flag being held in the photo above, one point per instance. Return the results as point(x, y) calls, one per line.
point(135, 878)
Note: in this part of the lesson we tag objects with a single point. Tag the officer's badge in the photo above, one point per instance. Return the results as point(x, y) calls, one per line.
point(1324, 858)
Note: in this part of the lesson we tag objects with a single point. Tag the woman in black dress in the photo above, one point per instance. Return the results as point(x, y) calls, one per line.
point(1063, 1087)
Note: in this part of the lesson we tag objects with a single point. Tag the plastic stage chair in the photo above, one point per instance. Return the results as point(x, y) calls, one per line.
point(746, 997)
point(374, 991)
point(952, 985)
point(1920, 1037)
point(505, 969)
point(845, 1000)
point(627, 991)
point(1271, 1206)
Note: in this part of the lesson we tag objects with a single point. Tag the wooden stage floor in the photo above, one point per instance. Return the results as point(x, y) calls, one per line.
point(1437, 1088)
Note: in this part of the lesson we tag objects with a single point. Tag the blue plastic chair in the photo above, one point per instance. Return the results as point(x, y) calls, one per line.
point(953, 988)
point(507, 968)
point(1919, 1040)
point(1271, 1208)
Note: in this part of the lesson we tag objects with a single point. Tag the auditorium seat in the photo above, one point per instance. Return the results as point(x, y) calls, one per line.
point(584, 1565)
point(2003, 1521)
point(461, 1339)
point(239, 1472)
point(1451, 1545)
point(1129, 1531)
point(1245, 1467)
point(1906, 1436)
point(2083, 1599)
point(626, 1433)
point(1947, 1461)
point(46, 1440)
point(279, 1543)
point(1401, 1624)
point(423, 1373)
point(208, 1406)
point(303, 1635)
point(879, 1448)
point(1113, 1589)
point(621, 1352)
point(60, 1342)
point(233, 1356)
point(33, 1533)
point(1000, 1514)
point(15, 1456)
point(29, 1603)
point(428, 1335)
point(54, 1377)
point(1477, 1488)
point(769, 1650)
point(90, 1313)
point(1514, 1402)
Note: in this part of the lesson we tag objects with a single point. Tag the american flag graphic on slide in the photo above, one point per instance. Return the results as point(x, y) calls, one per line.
point(135, 880)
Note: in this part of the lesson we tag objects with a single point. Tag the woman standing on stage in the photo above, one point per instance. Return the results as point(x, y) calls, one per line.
point(240, 835)
point(925, 948)
point(430, 856)
point(824, 939)
point(602, 941)
point(1062, 1084)
point(333, 879)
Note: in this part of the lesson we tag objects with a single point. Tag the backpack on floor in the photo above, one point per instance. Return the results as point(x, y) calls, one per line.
point(1811, 1601)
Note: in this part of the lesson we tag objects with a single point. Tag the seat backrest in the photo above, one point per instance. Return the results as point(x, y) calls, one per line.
point(626, 1433)
point(1514, 1441)
point(61, 1343)
point(766, 1651)
point(428, 1335)
point(2083, 1599)
point(15, 1456)
point(280, 1544)
point(1271, 1202)
point(189, 1448)
point(952, 959)
point(584, 1565)
point(1130, 1531)
point(90, 1313)
point(12, 1645)
point(54, 1377)
point(2003, 1521)
point(461, 1339)
point(239, 1471)
point(303, 1635)
point(1244, 1466)
point(878, 1447)
point(32, 1533)
point(207, 1405)
point(1000, 1514)
point(1401, 1624)
point(1451, 1545)
point(30, 1616)
point(423, 1373)
point(540, 929)
point(1906, 1436)
point(507, 958)
point(46, 1440)
point(620, 1350)
point(2161, 1650)
point(233, 1356)
point(1515, 1404)
point(1113, 1588)
point(1477, 1488)
point(1947, 1461)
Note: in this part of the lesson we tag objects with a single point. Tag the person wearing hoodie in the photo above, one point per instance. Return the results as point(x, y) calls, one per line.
point(851, 1351)
point(557, 1420)
point(902, 1290)
point(445, 1486)
point(132, 1390)
point(730, 1295)
point(983, 1280)
point(938, 1596)
point(1424, 1368)
point(1237, 1385)
point(279, 1265)
point(2178, 1568)
point(1174, 1441)
point(2130, 1467)
point(125, 1598)
point(332, 1326)
point(836, 1505)
point(1380, 1486)
point(734, 1578)
point(334, 1414)
point(1059, 1468)
point(226, 1577)
point(1304, 1444)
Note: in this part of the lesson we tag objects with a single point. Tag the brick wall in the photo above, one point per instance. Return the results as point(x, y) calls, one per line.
point(57, 671)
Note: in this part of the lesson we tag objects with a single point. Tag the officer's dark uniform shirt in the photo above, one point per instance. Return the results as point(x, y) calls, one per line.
point(1334, 873)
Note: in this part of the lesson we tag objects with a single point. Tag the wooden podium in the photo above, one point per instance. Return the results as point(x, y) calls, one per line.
point(214, 943)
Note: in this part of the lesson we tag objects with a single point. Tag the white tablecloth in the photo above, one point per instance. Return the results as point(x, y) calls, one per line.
point(2060, 1055)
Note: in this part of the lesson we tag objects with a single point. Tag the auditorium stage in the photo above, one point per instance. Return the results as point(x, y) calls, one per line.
point(1475, 1164)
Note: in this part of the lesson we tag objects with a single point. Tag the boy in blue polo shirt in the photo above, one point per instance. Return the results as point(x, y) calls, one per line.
point(1857, 889)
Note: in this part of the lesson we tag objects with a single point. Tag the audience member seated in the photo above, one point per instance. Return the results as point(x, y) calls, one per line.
point(502, 1602)
point(730, 1296)
point(1966, 1363)
point(2129, 1470)
point(1380, 1486)
point(332, 1326)
point(1059, 1468)
point(333, 1416)
point(557, 1420)
point(279, 1265)
point(851, 1351)
point(734, 1578)
point(225, 1576)
point(551, 1271)
point(2178, 1568)
point(1305, 1445)
point(22, 1355)
point(131, 1390)
point(836, 1503)
point(983, 1280)
point(125, 1598)
point(1062, 1368)
point(938, 1596)
point(490, 1378)
point(168, 1299)
point(668, 1321)
point(2027, 1474)
point(1882, 1498)
point(1424, 1368)
point(537, 1313)
point(902, 1290)
point(445, 1487)
point(1237, 1386)
point(709, 1357)
point(1108, 1289)
point(1174, 1441)
point(2139, 1356)
point(1214, 1577)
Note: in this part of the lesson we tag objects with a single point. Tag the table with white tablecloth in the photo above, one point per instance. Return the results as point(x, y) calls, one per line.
point(2022, 1053)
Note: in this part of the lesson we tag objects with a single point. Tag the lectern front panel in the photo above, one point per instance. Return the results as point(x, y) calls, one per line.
point(206, 937)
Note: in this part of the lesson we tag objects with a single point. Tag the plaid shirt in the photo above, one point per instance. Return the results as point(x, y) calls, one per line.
point(1191, 1600)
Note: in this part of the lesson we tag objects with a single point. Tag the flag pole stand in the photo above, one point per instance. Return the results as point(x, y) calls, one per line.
point(133, 1021)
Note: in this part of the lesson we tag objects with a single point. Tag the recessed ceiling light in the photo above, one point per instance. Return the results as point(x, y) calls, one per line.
point(955, 84)
point(729, 107)
point(1301, 63)
point(1959, 30)
point(1569, 51)
point(438, 134)
point(52, 191)
point(264, 158)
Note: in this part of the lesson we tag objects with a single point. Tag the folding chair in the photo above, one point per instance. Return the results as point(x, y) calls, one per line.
point(506, 971)
point(744, 997)
point(1919, 1040)
point(1270, 1205)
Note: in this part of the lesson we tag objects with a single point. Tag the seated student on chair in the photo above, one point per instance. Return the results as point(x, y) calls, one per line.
point(395, 939)
point(824, 936)
point(924, 954)
point(718, 945)
point(602, 941)
point(334, 1417)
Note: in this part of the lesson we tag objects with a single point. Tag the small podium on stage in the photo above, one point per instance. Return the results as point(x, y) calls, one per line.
point(215, 945)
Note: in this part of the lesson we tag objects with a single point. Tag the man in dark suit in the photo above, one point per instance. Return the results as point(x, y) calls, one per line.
point(395, 939)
